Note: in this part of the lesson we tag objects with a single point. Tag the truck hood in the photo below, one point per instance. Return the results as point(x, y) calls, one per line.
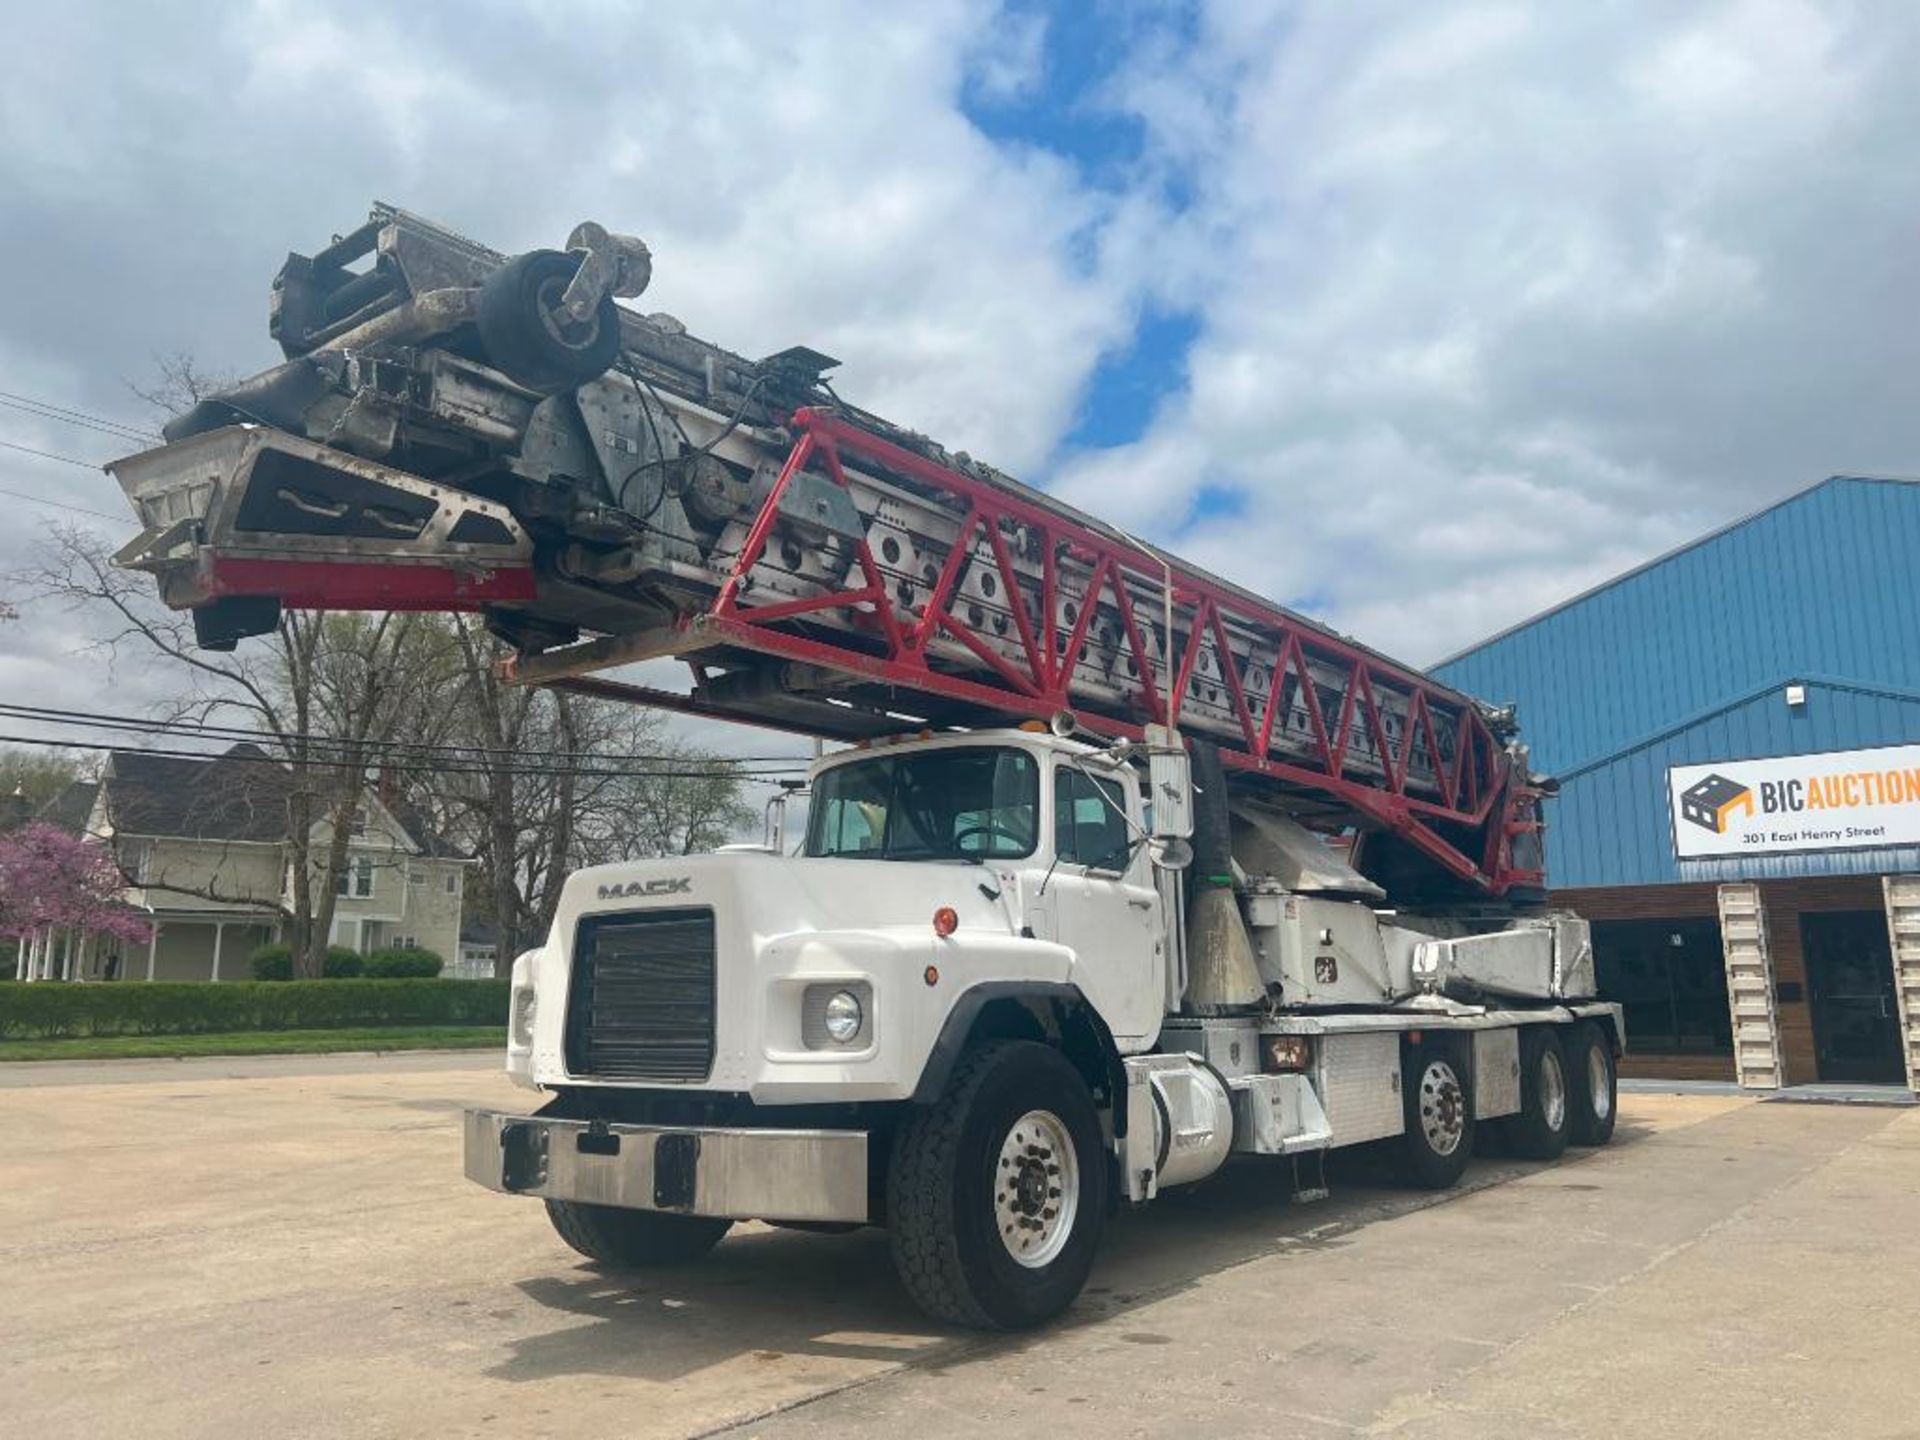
point(765, 896)
point(782, 928)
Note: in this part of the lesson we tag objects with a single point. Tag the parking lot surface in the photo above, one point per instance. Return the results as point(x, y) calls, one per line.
point(287, 1248)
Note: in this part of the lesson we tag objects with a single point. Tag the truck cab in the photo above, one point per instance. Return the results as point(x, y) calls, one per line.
point(967, 1009)
point(930, 868)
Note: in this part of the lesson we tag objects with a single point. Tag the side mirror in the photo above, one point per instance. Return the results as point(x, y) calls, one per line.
point(1169, 853)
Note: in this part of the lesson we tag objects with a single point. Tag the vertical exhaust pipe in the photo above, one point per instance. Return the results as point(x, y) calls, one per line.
point(1222, 974)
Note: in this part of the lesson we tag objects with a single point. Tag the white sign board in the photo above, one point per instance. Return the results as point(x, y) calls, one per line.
point(1842, 800)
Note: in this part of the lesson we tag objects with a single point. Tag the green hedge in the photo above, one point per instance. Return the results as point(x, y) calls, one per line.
point(403, 965)
point(275, 962)
point(131, 1007)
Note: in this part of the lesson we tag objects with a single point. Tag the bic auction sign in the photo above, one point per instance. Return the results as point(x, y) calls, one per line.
point(1842, 800)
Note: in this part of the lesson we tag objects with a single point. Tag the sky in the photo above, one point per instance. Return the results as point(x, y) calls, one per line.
point(1418, 318)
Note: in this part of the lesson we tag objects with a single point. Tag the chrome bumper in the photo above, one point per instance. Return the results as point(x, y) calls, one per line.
point(741, 1174)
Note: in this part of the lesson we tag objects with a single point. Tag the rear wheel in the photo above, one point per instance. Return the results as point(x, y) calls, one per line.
point(1593, 1087)
point(1539, 1131)
point(1438, 1103)
point(996, 1194)
point(634, 1239)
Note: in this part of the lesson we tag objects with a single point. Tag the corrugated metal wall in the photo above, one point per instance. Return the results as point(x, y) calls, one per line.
point(1686, 660)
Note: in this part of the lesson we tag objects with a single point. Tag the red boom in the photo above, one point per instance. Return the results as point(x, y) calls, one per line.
point(1468, 827)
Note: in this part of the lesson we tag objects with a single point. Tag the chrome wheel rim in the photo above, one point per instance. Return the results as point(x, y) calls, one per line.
point(1553, 1092)
point(1597, 1086)
point(1443, 1108)
point(1036, 1189)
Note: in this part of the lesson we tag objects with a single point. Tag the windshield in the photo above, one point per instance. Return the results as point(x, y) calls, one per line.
point(964, 804)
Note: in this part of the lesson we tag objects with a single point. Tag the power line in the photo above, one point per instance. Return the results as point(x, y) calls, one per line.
point(61, 505)
point(47, 410)
point(405, 749)
point(557, 772)
point(50, 455)
point(338, 755)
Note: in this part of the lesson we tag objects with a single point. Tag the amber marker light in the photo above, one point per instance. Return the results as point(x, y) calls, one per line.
point(946, 920)
point(931, 974)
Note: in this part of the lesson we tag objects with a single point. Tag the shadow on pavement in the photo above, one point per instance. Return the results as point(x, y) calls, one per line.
point(771, 1295)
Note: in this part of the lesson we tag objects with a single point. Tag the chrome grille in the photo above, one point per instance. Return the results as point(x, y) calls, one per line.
point(642, 1000)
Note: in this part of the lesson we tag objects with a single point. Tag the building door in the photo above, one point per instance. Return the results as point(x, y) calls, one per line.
point(1856, 1024)
point(1670, 976)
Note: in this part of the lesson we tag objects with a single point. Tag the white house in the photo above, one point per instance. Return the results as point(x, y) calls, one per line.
point(204, 843)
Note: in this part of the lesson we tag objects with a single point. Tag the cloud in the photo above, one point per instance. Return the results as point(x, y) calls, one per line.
point(1489, 301)
point(1500, 299)
point(799, 180)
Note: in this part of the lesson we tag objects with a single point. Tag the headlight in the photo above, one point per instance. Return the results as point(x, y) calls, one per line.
point(837, 1015)
point(843, 1017)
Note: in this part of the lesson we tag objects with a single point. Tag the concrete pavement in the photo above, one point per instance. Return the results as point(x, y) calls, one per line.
point(237, 1249)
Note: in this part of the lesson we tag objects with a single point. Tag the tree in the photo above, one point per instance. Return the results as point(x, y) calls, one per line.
point(38, 775)
point(179, 382)
point(335, 697)
point(50, 880)
point(326, 694)
point(549, 781)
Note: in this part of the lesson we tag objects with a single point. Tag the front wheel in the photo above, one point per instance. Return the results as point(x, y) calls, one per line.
point(634, 1239)
point(996, 1194)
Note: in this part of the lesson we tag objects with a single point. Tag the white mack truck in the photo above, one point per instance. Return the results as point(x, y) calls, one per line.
point(1121, 872)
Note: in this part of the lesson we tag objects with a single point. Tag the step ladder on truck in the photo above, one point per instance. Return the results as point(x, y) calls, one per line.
point(1122, 871)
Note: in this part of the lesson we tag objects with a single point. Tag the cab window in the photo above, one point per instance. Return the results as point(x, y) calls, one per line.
point(968, 803)
point(1089, 824)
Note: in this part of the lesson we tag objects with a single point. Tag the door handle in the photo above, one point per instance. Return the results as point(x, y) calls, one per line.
point(1140, 904)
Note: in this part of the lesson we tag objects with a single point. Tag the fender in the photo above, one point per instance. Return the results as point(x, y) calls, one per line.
point(959, 1023)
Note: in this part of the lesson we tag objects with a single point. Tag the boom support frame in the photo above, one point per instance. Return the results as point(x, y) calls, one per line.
point(1468, 828)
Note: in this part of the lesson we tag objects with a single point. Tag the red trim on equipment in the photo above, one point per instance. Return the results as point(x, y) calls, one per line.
point(365, 585)
point(1473, 790)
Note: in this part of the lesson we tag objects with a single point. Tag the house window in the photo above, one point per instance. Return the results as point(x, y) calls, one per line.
point(357, 826)
point(406, 942)
point(356, 879)
point(453, 883)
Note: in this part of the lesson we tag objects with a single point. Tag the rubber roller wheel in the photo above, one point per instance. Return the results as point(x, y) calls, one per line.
point(527, 333)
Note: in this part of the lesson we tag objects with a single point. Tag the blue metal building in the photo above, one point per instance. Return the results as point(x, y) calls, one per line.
point(1791, 633)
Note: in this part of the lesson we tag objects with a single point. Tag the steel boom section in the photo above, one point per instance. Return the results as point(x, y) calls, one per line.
point(1475, 789)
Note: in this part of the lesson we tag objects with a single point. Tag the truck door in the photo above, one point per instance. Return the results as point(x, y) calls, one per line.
point(1105, 903)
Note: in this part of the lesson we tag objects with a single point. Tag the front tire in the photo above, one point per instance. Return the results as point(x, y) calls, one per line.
point(996, 1193)
point(634, 1239)
point(1593, 1085)
point(1437, 1099)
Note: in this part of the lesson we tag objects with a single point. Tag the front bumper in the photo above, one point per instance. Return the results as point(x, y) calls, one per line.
point(738, 1173)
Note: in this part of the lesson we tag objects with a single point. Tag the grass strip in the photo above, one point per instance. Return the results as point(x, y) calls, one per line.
point(257, 1042)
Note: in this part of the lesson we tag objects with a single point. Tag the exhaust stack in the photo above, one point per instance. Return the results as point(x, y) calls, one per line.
point(1222, 975)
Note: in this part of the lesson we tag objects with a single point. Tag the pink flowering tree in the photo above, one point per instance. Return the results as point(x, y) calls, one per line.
point(50, 879)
